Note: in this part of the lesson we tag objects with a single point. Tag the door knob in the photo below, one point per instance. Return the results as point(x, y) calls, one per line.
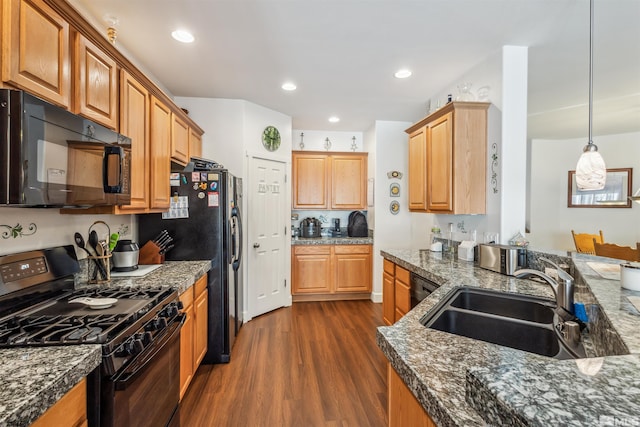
point(256, 245)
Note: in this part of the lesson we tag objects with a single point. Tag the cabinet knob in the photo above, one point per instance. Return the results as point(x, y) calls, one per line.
point(256, 245)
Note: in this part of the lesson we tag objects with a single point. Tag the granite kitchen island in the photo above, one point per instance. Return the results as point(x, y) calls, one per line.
point(463, 382)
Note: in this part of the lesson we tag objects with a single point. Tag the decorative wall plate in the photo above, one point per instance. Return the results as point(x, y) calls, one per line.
point(394, 207)
point(394, 190)
point(394, 174)
point(271, 138)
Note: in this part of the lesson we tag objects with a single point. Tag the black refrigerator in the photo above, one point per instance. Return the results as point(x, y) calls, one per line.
point(205, 222)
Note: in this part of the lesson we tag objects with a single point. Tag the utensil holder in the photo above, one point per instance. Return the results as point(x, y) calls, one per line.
point(98, 268)
point(150, 254)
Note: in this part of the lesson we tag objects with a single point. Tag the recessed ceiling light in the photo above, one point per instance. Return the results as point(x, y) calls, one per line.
point(182, 36)
point(402, 74)
point(334, 119)
point(289, 86)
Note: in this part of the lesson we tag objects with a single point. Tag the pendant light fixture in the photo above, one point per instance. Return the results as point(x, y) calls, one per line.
point(591, 172)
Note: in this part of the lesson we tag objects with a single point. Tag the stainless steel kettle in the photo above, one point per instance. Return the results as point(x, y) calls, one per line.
point(125, 256)
point(310, 227)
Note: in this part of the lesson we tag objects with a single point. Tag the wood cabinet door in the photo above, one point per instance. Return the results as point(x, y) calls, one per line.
point(195, 143)
point(440, 165)
point(348, 181)
point(160, 154)
point(404, 408)
point(352, 264)
point(134, 123)
point(35, 50)
point(95, 83)
point(312, 271)
point(418, 170)
point(186, 349)
point(402, 290)
point(70, 410)
point(179, 140)
point(311, 181)
point(200, 342)
point(388, 298)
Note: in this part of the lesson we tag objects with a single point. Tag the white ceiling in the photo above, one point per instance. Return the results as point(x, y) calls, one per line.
point(342, 55)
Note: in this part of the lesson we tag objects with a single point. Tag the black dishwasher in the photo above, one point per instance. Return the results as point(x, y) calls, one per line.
point(421, 288)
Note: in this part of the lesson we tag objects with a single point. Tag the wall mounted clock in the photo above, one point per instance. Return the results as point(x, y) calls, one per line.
point(271, 138)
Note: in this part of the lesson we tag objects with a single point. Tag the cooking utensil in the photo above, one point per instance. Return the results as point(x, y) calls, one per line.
point(80, 242)
point(93, 240)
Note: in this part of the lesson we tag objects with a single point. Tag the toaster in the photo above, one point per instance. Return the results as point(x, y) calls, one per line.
point(503, 259)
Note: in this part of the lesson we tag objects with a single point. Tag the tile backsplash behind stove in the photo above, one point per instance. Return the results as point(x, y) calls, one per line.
point(25, 229)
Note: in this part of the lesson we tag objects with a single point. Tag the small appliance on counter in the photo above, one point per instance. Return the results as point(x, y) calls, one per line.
point(310, 227)
point(466, 250)
point(125, 256)
point(503, 259)
point(336, 231)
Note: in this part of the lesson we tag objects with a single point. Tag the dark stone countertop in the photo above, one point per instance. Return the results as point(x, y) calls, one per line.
point(35, 378)
point(301, 241)
point(464, 382)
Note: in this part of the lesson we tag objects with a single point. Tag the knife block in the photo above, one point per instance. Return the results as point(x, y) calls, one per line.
point(150, 254)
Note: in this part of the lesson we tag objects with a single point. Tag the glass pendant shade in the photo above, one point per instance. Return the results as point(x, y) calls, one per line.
point(591, 172)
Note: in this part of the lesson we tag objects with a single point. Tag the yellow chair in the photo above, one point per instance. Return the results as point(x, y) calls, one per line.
point(619, 252)
point(584, 241)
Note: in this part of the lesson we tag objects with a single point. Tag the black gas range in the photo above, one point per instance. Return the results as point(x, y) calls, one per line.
point(138, 329)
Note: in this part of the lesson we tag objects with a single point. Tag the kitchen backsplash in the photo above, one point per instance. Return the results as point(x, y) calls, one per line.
point(24, 229)
point(325, 217)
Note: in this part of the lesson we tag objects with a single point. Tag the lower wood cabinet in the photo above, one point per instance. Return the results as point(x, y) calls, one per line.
point(330, 271)
point(70, 410)
point(193, 336)
point(396, 292)
point(404, 408)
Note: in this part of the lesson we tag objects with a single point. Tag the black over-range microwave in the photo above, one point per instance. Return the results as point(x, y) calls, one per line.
point(50, 157)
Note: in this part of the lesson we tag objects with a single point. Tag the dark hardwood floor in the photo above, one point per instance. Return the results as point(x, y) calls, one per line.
point(311, 364)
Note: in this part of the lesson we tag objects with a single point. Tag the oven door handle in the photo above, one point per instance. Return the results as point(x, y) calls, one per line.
point(140, 362)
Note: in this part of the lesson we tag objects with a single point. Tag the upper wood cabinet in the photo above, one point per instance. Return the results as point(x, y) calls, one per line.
point(329, 180)
point(134, 123)
point(418, 170)
point(179, 140)
point(35, 50)
point(310, 180)
point(160, 149)
point(452, 171)
point(349, 181)
point(95, 83)
point(195, 143)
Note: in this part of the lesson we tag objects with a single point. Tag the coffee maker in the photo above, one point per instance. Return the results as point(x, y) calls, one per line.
point(335, 228)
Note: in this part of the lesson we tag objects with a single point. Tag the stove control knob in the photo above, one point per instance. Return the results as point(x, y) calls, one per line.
point(161, 322)
point(147, 337)
point(133, 347)
point(171, 311)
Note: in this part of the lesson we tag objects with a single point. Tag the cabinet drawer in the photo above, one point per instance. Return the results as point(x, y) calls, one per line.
point(389, 267)
point(402, 275)
point(352, 249)
point(312, 250)
point(403, 297)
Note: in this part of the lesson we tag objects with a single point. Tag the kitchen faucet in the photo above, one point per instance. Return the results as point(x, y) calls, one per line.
point(563, 288)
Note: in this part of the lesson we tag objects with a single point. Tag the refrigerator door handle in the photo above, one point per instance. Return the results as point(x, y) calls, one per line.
point(235, 212)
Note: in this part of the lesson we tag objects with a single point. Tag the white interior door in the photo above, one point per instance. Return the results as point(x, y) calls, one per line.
point(266, 253)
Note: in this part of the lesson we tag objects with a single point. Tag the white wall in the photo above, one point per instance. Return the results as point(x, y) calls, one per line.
point(388, 148)
point(314, 140)
point(551, 221)
point(233, 132)
point(52, 228)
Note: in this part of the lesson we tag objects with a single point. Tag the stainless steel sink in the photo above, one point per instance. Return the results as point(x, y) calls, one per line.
point(517, 321)
point(506, 305)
